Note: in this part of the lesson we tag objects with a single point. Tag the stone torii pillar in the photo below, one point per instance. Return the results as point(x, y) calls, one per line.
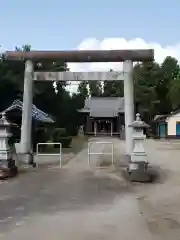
point(128, 105)
point(26, 125)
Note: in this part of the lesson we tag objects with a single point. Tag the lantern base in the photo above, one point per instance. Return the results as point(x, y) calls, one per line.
point(138, 172)
point(8, 170)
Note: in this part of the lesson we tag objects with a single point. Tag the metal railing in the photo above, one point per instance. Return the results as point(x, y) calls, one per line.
point(50, 154)
point(101, 153)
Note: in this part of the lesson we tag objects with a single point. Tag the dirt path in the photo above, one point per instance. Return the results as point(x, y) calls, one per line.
point(80, 161)
point(82, 202)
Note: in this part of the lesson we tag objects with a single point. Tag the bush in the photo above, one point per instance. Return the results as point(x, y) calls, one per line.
point(49, 147)
point(66, 141)
point(72, 131)
point(40, 134)
point(15, 130)
point(58, 133)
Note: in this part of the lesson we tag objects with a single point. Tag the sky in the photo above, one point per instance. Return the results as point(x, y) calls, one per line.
point(94, 24)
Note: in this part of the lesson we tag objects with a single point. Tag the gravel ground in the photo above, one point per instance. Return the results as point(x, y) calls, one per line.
point(83, 202)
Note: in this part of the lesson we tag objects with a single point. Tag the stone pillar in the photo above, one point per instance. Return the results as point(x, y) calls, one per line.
point(26, 125)
point(87, 124)
point(95, 128)
point(111, 128)
point(128, 104)
point(118, 128)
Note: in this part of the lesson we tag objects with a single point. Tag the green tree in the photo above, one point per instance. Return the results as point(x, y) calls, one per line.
point(49, 100)
point(146, 77)
point(83, 89)
point(169, 72)
point(8, 88)
point(174, 93)
point(95, 88)
point(23, 48)
point(113, 89)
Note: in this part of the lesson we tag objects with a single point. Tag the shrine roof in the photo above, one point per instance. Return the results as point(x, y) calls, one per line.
point(37, 114)
point(103, 106)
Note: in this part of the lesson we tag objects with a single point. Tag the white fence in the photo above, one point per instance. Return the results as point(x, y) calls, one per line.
point(50, 154)
point(101, 153)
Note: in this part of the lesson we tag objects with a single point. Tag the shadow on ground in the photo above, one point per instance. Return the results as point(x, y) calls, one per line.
point(54, 191)
point(157, 174)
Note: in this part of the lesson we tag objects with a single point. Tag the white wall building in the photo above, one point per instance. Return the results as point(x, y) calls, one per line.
point(173, 125)
point(168, 126)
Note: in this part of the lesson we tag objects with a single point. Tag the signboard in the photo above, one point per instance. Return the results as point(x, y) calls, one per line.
point(79, 76)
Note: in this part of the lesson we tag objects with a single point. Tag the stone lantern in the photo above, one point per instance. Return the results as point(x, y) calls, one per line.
point(7, 164)
point(81, 130)
point(138, 166)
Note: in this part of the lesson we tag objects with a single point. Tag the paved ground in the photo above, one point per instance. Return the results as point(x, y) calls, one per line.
point(82, 202)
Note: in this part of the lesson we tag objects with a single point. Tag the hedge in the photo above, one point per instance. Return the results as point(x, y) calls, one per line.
point(66, 141)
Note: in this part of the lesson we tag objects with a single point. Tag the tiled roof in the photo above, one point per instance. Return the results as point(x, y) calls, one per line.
point(104, 106)
point(36, 112)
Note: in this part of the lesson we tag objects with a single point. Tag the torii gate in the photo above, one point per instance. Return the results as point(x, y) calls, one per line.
point(125, 56)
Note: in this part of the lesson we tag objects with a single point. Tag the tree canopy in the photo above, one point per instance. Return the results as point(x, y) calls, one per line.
point(157, 89)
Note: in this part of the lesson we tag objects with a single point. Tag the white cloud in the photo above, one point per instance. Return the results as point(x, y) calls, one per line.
point(121, 43)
